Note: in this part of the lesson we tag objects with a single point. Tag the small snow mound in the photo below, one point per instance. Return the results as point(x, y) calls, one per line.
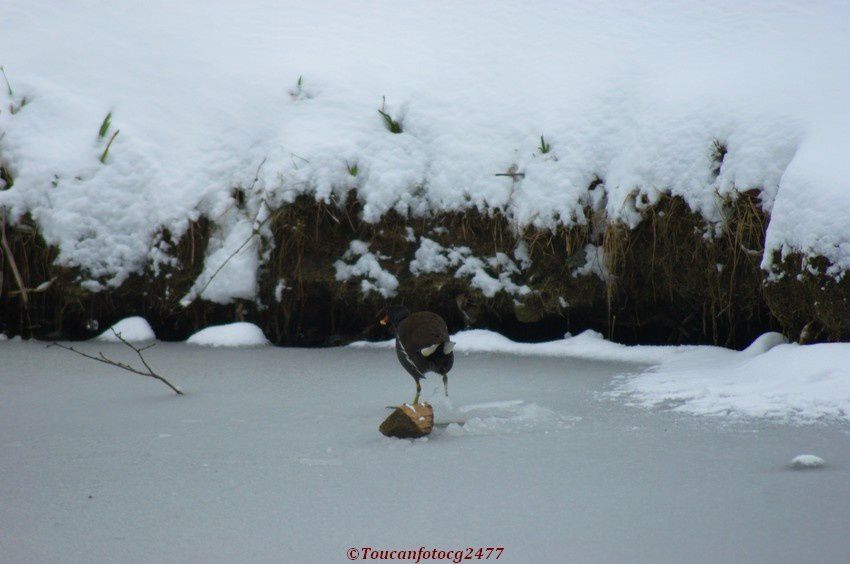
point(806, 461)
point(3, 337)
point(764, 343)
point(132, 329)
point(502, 418)
point(454, 430)
point(231, 335)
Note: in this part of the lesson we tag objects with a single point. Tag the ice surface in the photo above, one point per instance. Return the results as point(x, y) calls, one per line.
point(274, 455)
point(240, 334)
point(632, 93)
point(133, 329)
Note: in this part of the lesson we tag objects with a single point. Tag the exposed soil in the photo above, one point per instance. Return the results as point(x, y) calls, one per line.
point(673, 279)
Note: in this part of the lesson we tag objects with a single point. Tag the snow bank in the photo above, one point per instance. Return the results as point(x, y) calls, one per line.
point(284, 101)
point(801, 383)
point(589, 345)
point(132, 329)
point(231, 335)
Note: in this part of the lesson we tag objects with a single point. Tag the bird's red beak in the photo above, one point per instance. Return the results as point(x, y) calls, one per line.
point(385, 320)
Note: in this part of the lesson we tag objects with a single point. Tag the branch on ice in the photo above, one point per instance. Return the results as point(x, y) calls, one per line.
point(148, 371)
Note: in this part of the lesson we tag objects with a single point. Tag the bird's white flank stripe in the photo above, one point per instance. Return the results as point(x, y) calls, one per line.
point(407, 356)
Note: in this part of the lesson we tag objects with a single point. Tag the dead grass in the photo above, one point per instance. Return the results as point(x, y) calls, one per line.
point(811, 305)
point(675, 273)
point(665, 285)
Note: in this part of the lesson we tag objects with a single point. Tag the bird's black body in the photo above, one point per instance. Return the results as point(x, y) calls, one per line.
point(422, 344)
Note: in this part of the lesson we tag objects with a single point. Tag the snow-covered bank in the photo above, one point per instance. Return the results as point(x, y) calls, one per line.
point(694, 99)
point(799, 383)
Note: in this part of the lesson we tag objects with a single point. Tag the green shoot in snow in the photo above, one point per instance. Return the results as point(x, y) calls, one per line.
point(104, 127)
point(392, 125)
point(108, 145)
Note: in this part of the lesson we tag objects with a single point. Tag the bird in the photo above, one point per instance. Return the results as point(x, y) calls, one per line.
point(422, 344)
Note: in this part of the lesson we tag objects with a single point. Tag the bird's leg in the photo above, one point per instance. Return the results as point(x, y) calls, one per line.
point(446, 384)
point(418, 389)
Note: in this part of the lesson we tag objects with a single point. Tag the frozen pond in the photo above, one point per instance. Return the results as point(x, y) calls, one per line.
point(274, 455)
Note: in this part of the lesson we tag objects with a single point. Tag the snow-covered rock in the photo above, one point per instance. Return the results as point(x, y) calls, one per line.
point(239, 334)
point(764, 343)
point(132, 329)
point(807, 461)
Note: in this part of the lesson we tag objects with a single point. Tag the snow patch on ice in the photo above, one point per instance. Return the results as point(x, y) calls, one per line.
point(798, 383)
point(239, 334)
point(806, 461)
point(588, 345)
point(132, 329)
point(501, 418)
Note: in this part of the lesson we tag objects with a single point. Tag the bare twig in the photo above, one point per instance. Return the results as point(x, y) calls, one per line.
point(43, 287)
point(513, 172)
point(257, 174)
point(8, 86)
point(299, 157)
point(15, 272)
point(105, 360)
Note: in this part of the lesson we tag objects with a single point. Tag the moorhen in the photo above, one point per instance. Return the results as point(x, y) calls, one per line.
point(421, 343)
